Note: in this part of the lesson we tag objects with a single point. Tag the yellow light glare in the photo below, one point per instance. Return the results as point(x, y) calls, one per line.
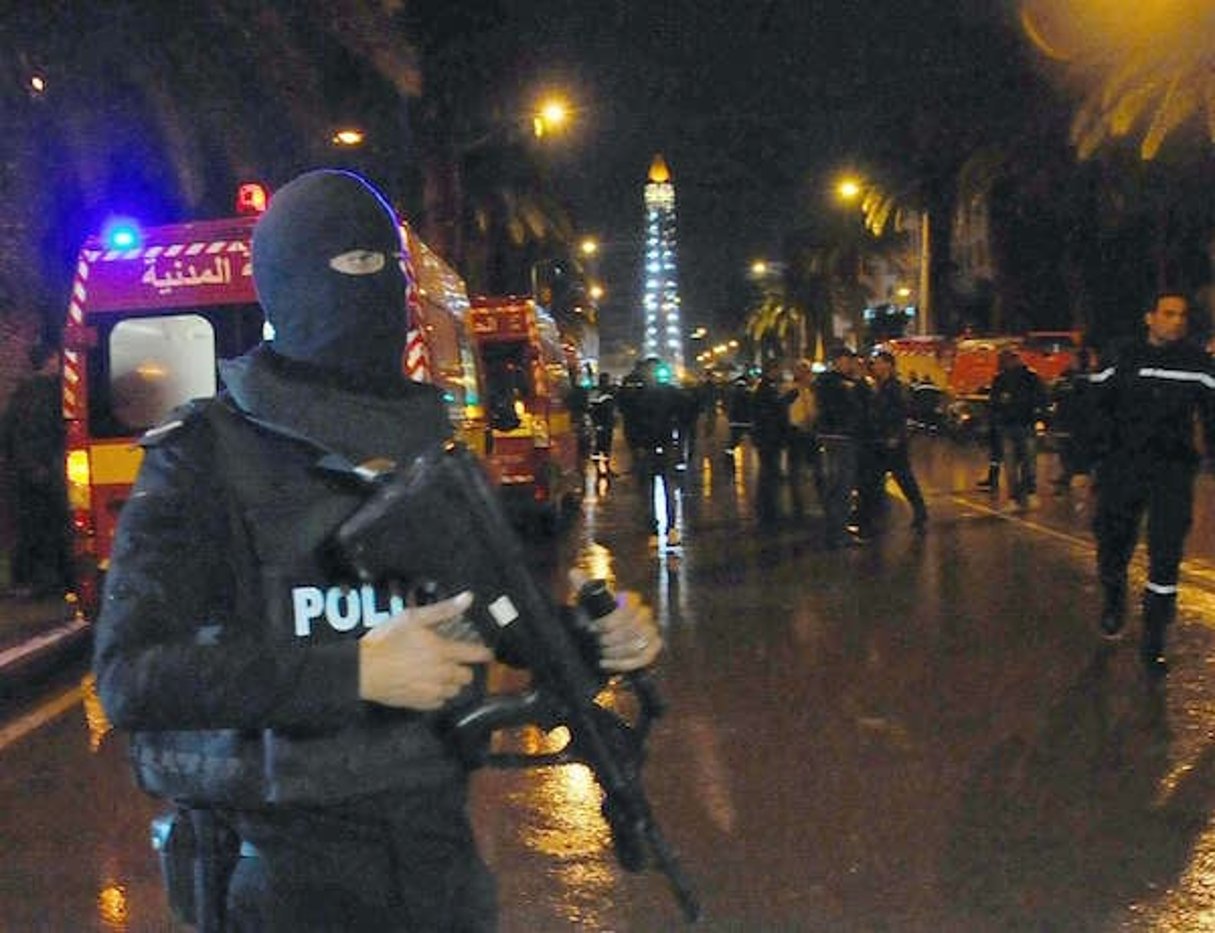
point(551, 116)
point(348, 137)
point(848, 188)
point(589, 247)
point(78, 469)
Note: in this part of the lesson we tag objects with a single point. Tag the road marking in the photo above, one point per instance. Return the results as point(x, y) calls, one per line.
point(1193, 571)
point(32, 646)
point(39, 717)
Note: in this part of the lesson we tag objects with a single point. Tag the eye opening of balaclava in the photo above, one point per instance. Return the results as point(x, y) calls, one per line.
point(327, 270)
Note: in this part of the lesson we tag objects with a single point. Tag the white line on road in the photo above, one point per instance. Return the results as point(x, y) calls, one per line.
point(39, 717)
point(1193, 571)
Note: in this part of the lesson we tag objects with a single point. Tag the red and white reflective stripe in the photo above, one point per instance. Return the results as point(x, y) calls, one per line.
point(172, 251)
point(417, 357)
point(417, 353)
point(73, 386)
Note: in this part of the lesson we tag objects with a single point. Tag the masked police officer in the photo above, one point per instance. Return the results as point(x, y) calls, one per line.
point(1147, 403)
point(254, 682)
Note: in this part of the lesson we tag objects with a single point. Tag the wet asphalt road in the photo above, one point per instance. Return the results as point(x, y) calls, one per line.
point(924, 734)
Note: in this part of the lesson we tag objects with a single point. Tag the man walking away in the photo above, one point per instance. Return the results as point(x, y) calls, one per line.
point(651, 414)
point(603, 418)
point(1147, 403)
point(890, 437)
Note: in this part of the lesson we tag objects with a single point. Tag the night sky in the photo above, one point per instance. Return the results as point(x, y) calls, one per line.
point(755, 105)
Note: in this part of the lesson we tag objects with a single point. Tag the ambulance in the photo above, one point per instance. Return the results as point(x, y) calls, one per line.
point(151, 313)
point(532, 374)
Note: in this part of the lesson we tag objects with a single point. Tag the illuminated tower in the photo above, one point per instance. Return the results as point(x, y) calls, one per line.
point(663, 336)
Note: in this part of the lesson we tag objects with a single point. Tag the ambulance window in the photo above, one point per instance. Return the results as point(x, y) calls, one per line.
point(156, 364)
point(507, 370)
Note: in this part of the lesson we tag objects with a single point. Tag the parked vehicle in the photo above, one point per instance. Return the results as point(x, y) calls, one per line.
point(533, 393)
point(152, 311)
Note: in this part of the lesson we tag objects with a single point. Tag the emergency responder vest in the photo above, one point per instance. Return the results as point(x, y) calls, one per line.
point(283, 510)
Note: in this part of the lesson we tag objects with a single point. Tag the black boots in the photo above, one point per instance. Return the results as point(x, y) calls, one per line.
point(1158, 612)
point(992, 481)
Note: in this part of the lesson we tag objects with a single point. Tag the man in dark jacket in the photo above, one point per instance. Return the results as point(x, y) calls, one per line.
point(31, 438)
point(770, 433)
point(890, 440)
point(1073, 419)
point(1017, 396)
point(257, 680)
point(1147, 402)
point(843, 412)
point(652, 409)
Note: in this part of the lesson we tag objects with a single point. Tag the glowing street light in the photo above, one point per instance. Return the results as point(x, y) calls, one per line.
point(552, 116)
point(849, 188)
point(759, 267)
point(596, 292)
point(589, 246)
point(348, 137)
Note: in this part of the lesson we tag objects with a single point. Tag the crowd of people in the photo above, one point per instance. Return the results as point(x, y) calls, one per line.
point(839, 432)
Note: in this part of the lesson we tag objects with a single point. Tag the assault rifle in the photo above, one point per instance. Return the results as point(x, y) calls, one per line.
point(439, 521)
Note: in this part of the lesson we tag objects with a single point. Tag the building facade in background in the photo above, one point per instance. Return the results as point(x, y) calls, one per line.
point(662, 334)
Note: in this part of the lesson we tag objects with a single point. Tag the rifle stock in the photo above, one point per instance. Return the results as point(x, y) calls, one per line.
point(439, 522)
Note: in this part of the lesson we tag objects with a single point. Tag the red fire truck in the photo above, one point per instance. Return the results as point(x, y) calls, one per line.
point(153, 311)
point(531, 375)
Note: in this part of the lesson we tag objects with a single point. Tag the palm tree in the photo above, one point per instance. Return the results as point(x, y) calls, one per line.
point(162, 109)
point(776, 328)
point(1147, 67)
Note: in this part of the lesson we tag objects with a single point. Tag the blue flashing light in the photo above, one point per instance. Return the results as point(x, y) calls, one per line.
point(121, 233)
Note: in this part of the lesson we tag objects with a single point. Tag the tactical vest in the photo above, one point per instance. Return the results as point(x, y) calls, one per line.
point(283, 510)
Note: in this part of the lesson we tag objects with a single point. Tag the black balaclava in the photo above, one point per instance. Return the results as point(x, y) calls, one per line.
point(327, 272)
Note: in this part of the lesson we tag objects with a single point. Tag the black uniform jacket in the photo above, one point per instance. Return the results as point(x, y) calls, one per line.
point(1148, 399)
point(843, 406)
point(226, 643)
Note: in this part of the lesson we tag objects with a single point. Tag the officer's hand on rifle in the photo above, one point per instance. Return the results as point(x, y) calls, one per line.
point(404, 662)
point(628, 637)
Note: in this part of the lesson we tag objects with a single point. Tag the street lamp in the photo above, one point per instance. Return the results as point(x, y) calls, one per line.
point(848, 188)
point(877, 206)
point(589, 246)
point(348, 137)
point(551, 117)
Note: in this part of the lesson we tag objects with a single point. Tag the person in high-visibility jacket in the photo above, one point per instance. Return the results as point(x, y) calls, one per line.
point(1148, 399)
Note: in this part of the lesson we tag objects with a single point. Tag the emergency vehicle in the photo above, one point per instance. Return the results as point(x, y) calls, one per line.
point(922, 359)
point(152, 312)
point(977, 362)
point(1051, 353)
point(531, 373)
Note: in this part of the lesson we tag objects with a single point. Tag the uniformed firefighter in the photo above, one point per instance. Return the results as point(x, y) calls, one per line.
point(257, 682)
point(1147, 402)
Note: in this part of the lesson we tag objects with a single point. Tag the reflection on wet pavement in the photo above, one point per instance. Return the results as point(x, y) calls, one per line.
point(921, 735)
